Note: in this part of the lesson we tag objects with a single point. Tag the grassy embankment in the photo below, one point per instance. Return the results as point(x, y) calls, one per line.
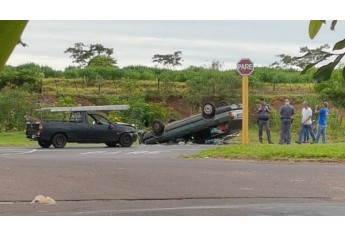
point(14, 139)
point(334, 150)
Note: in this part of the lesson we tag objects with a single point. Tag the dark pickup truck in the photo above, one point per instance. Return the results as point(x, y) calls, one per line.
point(80, 127)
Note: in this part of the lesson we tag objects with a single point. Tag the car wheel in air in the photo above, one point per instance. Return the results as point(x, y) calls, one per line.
point(223, 104)
point(157, 127)
point(126, 140)
point(44, 144)
point(208, 110)
point(59, 140)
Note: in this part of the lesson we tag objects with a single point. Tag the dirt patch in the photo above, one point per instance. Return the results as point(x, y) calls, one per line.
point(82, 101)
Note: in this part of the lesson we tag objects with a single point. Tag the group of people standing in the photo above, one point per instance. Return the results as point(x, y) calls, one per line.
point(287, 113)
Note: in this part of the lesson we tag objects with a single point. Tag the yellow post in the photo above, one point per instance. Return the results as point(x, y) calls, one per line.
point(245, 116)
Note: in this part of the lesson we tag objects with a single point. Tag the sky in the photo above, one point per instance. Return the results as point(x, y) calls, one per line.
point(205, 31)
point(201, 41)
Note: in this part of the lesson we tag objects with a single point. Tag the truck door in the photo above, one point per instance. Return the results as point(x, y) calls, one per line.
point(99, 129)
point(76, 127)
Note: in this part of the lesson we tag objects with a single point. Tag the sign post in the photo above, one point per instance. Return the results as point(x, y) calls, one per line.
point(245, 67)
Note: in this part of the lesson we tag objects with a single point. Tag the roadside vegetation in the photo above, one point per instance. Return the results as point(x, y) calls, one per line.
point(165, 93)
point(15, 138)
point(332, 151)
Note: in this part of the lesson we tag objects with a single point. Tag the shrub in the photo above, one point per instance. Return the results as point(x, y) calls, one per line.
point(14, 105)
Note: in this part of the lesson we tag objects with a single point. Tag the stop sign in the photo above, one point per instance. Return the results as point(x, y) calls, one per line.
point(245, 66)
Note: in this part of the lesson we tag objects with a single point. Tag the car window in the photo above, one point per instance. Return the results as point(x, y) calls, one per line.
point(100, 120)
point(90, 120)
point(76, 117)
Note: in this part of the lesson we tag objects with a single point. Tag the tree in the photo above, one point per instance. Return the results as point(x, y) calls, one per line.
point(82, 54)
point(168, 60)
point(324, 72)
point(216, 65)
point(310, 55)
point(102, 61)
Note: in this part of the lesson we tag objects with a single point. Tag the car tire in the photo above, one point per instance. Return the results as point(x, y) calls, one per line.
point(157, 127)
point(208, 110)
point(44, 144)
point(59, 140)
point(126, 140)
point(111, 144)
point(223, 104)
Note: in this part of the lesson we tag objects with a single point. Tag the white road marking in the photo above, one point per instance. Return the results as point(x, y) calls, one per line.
point(202, 207)
point(91, 153)
point(139, 152)
point(110, 153)
point(146, 152)
point(18, 152)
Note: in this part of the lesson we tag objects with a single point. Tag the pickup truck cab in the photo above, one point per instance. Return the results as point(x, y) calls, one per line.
point(80, 127)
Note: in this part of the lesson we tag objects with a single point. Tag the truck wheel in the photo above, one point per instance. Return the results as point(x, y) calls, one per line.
point(111, 144)
point(157, 127)
point(126, 140)
point(208, 110)
point(59, 140)
point(44, 144)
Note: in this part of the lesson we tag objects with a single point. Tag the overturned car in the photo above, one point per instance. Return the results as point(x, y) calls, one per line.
point(222, 122)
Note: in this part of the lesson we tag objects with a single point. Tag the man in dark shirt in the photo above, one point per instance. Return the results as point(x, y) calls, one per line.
point(287, 112)
point(263, 111)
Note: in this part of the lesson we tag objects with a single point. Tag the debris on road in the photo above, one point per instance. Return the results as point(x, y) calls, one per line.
point(43, 200)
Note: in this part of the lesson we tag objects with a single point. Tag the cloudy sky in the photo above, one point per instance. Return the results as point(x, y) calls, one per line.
point(136, 35)
point(201, 42)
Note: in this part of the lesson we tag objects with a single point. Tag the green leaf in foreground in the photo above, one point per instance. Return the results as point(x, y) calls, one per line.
point(314, 27)
point(339, 45)
point(10, 32)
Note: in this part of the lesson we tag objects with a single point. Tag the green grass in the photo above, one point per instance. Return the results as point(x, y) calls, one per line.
point(332, 151)
point(14, 139)
point(275, 152)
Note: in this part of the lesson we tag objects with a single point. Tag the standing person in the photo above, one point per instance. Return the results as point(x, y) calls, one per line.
point(312, 134)
point(306, 123)
point(263, 110)
point(321, 122)
point(287, 112)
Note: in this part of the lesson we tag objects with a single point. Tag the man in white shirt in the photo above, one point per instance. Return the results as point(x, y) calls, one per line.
point(306, 122)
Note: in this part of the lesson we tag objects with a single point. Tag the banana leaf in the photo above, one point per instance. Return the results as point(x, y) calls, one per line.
point(10, 33)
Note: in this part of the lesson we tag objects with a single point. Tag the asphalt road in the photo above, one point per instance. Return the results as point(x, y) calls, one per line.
point(155, 180)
